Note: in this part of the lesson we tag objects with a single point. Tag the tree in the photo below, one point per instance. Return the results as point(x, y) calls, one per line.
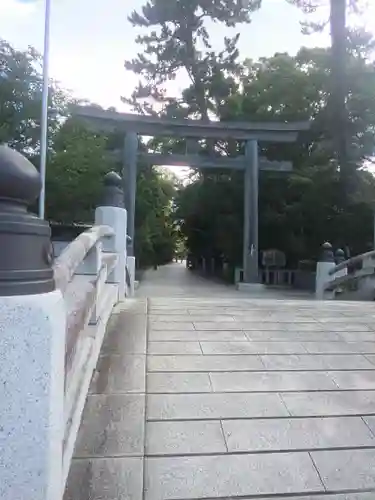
point(76, 169)
point(21, 84)
point(339, 86)
point(75, 172)
point(178, 40)
point(155, 239)
point(77, 158)
point(300, 210)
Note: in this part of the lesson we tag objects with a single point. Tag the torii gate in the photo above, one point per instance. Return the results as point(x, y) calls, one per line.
point(134, 125)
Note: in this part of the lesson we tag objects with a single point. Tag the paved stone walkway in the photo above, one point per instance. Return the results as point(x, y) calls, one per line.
point(246, 398)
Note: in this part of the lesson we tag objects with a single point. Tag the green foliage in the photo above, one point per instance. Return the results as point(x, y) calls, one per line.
point(177, 39)
point(301, 210)
point(21, 86)
point(155, 240)
point(77, 158)
point(340, 87)
point(75, 173)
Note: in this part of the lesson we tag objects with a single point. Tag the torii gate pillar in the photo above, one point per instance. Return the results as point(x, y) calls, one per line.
point(130, 182)
point(250, 247)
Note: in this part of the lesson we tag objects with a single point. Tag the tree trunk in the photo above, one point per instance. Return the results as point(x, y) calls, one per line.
point(339, 90)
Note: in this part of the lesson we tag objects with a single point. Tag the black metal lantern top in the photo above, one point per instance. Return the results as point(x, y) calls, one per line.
point(113, 195)
point(25, 240)
point(327, 253)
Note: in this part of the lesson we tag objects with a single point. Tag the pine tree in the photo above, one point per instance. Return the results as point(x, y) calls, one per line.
point(337, 21)
point(178, 42)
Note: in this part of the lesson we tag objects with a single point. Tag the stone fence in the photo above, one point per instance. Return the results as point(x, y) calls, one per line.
point(352, 279)
point(53, 317)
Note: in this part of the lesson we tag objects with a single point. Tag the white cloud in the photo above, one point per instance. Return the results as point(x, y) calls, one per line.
point(14, 8)
point(90, 39)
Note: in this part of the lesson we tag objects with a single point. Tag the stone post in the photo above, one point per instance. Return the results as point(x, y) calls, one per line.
point(111, 212)
point(130, 183)
point(323, 267)
point(32, 342)
point(131, 273)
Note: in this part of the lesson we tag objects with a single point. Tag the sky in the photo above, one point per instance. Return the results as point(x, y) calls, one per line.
point(90, 39)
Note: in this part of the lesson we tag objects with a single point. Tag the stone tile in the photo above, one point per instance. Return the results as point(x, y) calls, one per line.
point(346, 470)
point(120, 374)
point(291, 362)
point(346, 327)
point(348, 362)
point(213, 406)
point(209, 310)
point(271, 381)
point(221, 336)
point(166, 311)
point(330, 403)
point(213, 325)
point(166, 438)
point(226, 348)
point(206, 314)
point(261, 326)
point(296, 434)
point(105, 479)
point(178, 382)
point(370, 421)
point(229, 476)
point(252, 347)
point(357, 336)
point(283, 326)
point(364, 347)
point(296, 326)
point(263, 317)
point(174, 336)
point(214, 318)
point(203, 363)
point(166, 318)
point(341, 319)
point(280, 335)
point(371, 358)
point(332, 347)
point(112, 425)
point(250, 315)
point(188, 336)
point(316, 362)
point(170, 347)
point(126, 334)
point(354, 380)
point(171, 325)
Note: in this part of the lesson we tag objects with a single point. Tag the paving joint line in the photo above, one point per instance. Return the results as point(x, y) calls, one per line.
point(284, 391)
point(273, 417)
point(317, 471)
point(276, 496)
point(249, 370)
point(145, 402)
point(253, 452)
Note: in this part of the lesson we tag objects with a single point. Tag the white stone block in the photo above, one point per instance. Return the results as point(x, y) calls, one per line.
point(323, 278)
point(130, 262)
point(116, 218)
point(32, 348)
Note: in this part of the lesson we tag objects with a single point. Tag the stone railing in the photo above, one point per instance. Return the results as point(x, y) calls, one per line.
point(352, 279)
point(53, 317)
